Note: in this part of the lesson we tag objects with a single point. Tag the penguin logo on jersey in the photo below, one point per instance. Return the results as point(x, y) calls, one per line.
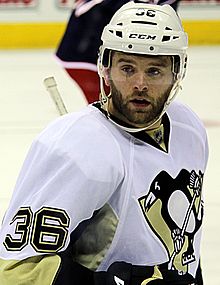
point(173, 209)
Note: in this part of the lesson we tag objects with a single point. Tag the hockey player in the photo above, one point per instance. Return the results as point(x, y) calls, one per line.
point(78, 49)
point(113, 194)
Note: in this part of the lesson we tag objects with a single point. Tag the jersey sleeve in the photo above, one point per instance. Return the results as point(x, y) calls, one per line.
point(62, 183)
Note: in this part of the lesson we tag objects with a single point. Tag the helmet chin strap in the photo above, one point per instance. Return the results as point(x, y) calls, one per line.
point(105, 98)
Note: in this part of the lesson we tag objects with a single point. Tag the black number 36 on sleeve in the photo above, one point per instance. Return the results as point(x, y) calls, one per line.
point(49, 230)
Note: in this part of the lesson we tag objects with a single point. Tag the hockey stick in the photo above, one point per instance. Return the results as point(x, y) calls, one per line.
point(51, 86)
point(185, 223)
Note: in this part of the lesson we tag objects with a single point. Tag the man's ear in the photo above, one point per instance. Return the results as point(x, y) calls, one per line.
point(107, 76)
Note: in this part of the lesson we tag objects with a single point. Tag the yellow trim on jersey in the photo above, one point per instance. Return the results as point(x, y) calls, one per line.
point(158, 136)
point(156, 276)
point(104, 222)
point(38, 270)
point(48, 35)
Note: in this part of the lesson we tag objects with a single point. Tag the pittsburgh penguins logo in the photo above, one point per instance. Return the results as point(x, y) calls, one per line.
point(173, 209)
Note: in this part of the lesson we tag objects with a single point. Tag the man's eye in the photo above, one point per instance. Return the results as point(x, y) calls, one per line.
point(128, 70)
point(153, 71)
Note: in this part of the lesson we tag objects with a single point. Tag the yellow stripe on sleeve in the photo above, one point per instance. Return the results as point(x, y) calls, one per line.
point(38, 270)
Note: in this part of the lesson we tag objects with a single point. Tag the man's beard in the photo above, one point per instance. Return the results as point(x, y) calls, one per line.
point(138, 117)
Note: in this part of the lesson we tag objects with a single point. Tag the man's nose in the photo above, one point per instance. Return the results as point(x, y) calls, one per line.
point(140, 82)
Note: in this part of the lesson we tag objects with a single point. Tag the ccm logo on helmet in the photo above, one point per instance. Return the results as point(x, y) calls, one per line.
point(142, 37)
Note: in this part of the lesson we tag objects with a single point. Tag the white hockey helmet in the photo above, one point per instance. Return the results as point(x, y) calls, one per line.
point(147, 29)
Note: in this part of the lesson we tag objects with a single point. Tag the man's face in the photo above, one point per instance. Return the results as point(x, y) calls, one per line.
point(140, 85)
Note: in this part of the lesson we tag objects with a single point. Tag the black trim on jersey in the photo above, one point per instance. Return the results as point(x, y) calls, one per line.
point(199, 278)
point(142, 135)
point(71, 272)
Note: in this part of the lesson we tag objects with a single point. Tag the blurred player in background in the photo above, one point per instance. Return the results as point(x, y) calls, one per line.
point(78, 49)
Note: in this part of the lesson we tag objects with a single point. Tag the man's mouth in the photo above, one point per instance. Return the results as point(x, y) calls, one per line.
point(140, 102)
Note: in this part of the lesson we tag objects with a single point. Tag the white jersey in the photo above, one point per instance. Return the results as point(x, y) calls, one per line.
point(106, 195)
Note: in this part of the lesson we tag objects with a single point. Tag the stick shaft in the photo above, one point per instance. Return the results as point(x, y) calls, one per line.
point(51, 86)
